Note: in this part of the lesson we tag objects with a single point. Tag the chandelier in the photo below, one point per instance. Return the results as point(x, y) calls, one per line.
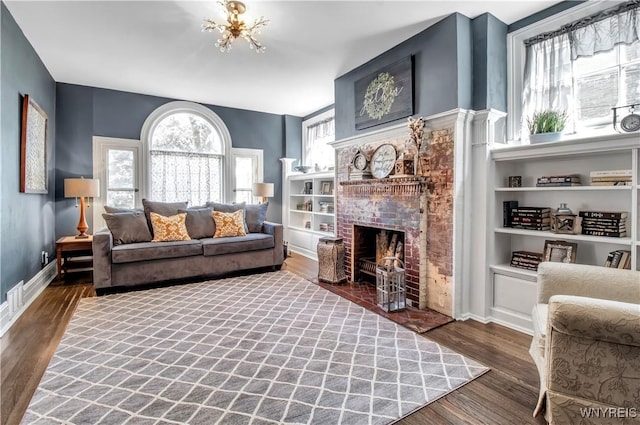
point(236, 27)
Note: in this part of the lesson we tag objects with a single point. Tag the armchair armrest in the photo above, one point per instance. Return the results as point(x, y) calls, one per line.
point(587, 281)
point(596, 319)
point(102, 246)
point(277, 231)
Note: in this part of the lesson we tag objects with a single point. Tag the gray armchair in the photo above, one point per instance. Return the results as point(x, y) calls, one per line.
point(586, 344)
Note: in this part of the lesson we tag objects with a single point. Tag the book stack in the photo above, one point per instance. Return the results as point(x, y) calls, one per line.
point(620, 259)
point(604, 223)
point(531, 218)
point(611, 178)
point(559, 180)
point(526, 260)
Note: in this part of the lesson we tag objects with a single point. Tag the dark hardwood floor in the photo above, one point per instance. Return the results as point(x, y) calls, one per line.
point(505, 395)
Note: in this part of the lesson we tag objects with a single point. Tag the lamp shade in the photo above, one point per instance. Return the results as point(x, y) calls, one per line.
point(263, 189)
point(76, 188)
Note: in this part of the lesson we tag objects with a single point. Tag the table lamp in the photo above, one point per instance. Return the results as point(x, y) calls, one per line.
point(81, 188)
point(264, 190)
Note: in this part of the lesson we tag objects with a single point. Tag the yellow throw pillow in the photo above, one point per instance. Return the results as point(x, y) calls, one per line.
point(229, 224)
point(171, 228)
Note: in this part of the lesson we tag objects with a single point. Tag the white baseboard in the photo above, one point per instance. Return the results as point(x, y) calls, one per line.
point(32, 289)
point(523, 328)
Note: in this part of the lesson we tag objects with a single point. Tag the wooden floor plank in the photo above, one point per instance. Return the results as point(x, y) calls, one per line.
point(505, 395)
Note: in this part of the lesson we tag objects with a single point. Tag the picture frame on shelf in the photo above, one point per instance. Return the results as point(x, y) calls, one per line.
point(326, 188)
point(560, 251)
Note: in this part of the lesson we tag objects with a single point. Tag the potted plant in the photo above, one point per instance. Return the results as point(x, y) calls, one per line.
point(546, 126)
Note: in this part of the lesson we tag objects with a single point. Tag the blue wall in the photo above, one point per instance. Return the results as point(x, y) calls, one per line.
point(489, 63)
point(85, 112)
point(442, 73)
point(26, 220)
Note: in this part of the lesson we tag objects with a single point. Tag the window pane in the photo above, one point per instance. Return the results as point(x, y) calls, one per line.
point(121, 198)
point(596, 95)
point(120, 169)
point(187, 133)
point(599, 61)
point(244, 196)
point(630, 52)
point(244, 173)
point(631, 78)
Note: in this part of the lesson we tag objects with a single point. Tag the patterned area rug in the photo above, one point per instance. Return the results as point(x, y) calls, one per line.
point(262, 349)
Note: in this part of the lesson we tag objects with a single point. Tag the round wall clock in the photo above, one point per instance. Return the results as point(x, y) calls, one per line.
point(630, 123)
point(383, 161)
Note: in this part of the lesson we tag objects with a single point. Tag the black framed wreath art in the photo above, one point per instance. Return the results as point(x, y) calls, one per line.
point(385, 95)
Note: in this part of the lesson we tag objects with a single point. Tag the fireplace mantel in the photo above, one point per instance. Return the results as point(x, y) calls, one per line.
point(392, 186)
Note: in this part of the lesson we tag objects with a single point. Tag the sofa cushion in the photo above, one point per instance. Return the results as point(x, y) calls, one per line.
point(255, 215)
point(229, 208)
point(200, 222)
point(127, 227)
point(172, 228)
point(250, 242)
point(229, 224)
point(539, 321)
point(163, 208)
point(155, 251)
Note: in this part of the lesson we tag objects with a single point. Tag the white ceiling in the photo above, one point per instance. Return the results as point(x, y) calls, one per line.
point(158, 48)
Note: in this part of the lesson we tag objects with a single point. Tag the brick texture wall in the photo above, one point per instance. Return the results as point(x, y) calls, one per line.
point(426, 216)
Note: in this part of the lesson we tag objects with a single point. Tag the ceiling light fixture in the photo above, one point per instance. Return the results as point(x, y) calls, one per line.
point(235, 27)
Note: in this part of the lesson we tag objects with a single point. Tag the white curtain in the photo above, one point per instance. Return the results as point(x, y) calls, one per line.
point(185, 176)
point(548, 76)
point(600, 33)
point(317, 151)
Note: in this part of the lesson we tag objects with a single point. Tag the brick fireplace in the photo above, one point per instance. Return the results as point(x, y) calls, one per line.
point(419, 207)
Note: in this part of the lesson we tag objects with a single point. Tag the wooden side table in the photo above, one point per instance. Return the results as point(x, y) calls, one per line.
point(67, 248)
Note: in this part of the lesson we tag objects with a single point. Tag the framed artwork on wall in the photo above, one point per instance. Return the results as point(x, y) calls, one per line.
point(33, 148)
point(385, 95)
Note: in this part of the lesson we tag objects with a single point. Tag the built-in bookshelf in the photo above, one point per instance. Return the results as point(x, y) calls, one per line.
point(308, 210)
point(513, 288)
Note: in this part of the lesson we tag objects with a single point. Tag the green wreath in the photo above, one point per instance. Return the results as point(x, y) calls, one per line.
point(378, 107)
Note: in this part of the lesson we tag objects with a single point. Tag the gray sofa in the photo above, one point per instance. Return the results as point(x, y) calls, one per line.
point(149, 262)
point(128, 254)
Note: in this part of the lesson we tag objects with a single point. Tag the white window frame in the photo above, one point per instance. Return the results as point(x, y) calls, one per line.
point(516, 54)
point(196, 109)
point(331, 113)
point(101, 145)
point(257, 157)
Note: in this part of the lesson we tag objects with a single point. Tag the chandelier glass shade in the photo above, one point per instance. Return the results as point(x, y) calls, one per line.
point(236, 27)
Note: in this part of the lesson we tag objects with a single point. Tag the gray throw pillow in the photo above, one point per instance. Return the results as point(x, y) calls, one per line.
point(229, 208)
point(166, 209)
point(200, 223)
point(255, 215)
point(128, 227)
point(109, 209)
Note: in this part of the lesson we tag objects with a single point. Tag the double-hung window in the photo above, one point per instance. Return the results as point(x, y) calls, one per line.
point(317, 132)
point(584, 62)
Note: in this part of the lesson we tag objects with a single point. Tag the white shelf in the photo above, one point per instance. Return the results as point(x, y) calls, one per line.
point(562, 188)
point(507, 270)
point(510, 291)
point(568, 236)
point(301, 239)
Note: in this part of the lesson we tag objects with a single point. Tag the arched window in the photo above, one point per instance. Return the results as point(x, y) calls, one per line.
point(187, 146)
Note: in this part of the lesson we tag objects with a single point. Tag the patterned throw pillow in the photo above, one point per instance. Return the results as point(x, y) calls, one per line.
point(171, 228)
point(229, 224)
